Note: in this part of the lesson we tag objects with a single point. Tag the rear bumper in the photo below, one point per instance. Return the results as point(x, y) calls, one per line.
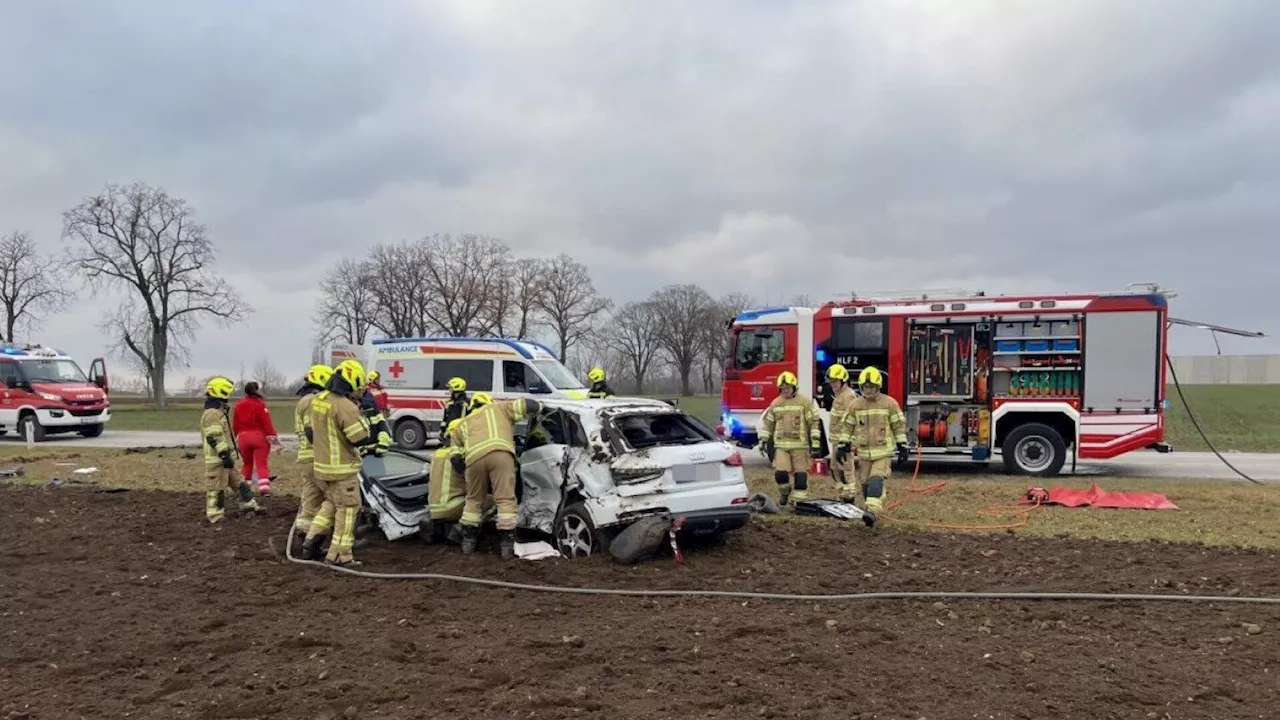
point(710, 522)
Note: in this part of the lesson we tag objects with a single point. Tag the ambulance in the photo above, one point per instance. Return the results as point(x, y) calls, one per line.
point(414, 373)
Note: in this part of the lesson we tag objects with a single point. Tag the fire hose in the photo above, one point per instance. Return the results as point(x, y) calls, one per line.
point(750, 595)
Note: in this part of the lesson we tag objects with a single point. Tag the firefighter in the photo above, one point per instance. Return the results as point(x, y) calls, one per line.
point(599, 388)
point(339, 433)
point(877, 429)
point(842, 397)
point(447, 491)
point(457, 406)
point(486, 457)
point(791, 435)
point(378, 426)
point(220, 453)
point(312, 492)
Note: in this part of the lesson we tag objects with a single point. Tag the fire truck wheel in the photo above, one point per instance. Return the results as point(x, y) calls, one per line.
point(410, 434)
point(36, 431)
point(91, 431)
point(1034, 449)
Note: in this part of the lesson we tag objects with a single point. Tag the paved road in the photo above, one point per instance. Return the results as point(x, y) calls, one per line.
point(1261, 466)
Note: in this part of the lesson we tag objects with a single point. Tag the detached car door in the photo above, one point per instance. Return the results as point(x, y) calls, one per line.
point(542, 444)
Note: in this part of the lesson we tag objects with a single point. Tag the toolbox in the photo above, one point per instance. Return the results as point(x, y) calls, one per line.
point(1009, 330)
point(1008, 346)
point(1036, 346)
point(1066, 345)
point(1060, 328)
point(1037, 329)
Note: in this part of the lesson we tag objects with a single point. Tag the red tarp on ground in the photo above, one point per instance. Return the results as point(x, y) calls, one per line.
point(1097, 497)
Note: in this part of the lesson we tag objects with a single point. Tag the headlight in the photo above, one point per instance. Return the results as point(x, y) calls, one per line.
point(50, 396)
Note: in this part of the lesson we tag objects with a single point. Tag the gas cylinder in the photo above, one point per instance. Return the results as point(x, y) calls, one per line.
point(984, 427)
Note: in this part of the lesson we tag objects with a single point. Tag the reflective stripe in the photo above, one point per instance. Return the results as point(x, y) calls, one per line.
point(355, 431)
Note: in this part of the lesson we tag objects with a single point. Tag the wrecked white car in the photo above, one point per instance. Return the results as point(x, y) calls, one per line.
point(588, 469)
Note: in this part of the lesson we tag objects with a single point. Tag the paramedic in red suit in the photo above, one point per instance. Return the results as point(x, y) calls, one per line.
point(379, 394)
point(255, 435)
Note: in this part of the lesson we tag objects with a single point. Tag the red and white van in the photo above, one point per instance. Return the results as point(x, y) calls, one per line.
point(42, 391)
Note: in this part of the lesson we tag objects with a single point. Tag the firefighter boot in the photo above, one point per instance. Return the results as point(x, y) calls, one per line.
point(508, 544)
point(214, 505)
point(784, 486)
point(247, 501)
point(313, 548)
point(470, 538)
point(454, 536)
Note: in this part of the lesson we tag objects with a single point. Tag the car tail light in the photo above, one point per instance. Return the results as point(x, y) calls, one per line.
point(720, 430)
point(740, 501)
point(734, 460)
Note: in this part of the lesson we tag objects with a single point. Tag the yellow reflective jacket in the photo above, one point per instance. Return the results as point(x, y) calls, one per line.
point(337, 428)
point(842, 423)
point(792, 423)
point(302, 426)
point(447, 492)
point(489, 429)
point(879, 426)
point(215, 429)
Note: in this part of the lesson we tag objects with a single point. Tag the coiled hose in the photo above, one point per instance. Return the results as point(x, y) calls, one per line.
point(746, 595)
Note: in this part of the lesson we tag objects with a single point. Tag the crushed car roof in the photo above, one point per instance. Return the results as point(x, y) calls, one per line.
point(613, 405)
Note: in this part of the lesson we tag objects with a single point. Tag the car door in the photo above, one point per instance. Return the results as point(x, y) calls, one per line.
point(542, 471)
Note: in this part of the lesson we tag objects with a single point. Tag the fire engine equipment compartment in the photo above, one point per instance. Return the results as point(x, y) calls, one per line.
point(947, 404)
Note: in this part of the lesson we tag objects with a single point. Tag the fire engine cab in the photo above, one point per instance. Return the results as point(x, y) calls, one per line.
point(42, 391)
point(1036, 380)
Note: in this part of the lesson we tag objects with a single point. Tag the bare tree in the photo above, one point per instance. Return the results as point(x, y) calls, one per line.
point(28, 288)
point(515, 312)
point(802, 300)
point(570, 301)
point(347, 304)
point(682, 312)
point(270, 380)
point(400, 289)
point(715, 339)
point(465, 276)
point(632, 333)
point(147, 242)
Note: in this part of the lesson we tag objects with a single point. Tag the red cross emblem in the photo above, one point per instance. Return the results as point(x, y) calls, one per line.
point(395, 369)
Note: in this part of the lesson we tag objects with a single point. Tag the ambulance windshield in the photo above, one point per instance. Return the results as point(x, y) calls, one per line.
point(558, 375)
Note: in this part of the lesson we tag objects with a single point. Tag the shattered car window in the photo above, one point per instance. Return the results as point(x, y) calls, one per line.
point(644, 430)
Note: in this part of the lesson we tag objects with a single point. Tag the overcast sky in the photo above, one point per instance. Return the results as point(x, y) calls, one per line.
point(772, 148)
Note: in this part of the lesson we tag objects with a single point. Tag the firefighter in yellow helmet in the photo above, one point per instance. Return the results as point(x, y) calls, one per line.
point(487, 459)
point(457, 406)
point(378, 427)
point(312, 492)
point(220, 453)
point(339, 433)
point(599, 387)
point(791, 434)
point(841, 431)
point(878, 429)
point(447, 491)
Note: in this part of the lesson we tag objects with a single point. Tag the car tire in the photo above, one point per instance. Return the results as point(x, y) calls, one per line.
point(92, 431)
point(576, 535)
point(1034, 450)
point(640, 540)
point(410, 434)
point(37, 430)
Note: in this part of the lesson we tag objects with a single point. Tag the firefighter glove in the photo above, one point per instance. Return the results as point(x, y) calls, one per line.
point(227, 462)
point(902, 453)
point(459, 464)
point(769, 449)
point(842, 453)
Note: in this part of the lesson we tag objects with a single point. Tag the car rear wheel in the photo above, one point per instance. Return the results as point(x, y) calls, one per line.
point(410, 434)
point(576, 534)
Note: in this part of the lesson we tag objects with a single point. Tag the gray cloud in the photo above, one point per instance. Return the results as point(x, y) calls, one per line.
point(764, 147)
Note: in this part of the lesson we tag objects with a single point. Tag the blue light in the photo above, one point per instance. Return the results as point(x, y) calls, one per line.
point(820, 355)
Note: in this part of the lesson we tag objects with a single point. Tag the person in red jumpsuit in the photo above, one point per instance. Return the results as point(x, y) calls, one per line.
point(255, 435)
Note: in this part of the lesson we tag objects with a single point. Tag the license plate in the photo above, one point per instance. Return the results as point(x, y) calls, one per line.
point(704, 473)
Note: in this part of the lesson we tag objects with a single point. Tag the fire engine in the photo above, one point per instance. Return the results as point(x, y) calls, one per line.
point(44, 391)
point(1035, 379)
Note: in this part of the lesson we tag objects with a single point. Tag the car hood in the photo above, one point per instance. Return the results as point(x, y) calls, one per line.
point(70, 392)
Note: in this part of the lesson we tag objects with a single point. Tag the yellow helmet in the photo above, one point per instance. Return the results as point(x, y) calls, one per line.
point(838, 372)
point(373, 377)
point(457, 385)
point(453, 425)
point(871, 376)
point(788, 379)
point(596, 375)
point(319, 375)
point(219, 388)
point(479, 400)
point(352, 373)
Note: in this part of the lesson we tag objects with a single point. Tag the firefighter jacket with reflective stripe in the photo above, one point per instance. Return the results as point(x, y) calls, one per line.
point(337, 429)
point(447, 492)
point(841, 420)
point(879, 426)
point(302, 426)
point(454, 410)
point(600, 390)
point(215, 428)
point(489, 429)
point(378, 428)
point(792, 423)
